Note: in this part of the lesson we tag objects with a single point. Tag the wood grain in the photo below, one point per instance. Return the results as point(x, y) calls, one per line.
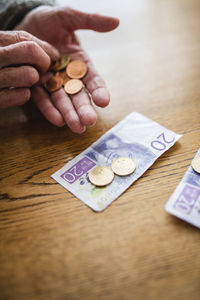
point(54, 247)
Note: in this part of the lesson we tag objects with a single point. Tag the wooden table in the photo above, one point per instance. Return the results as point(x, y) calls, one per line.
point(55, 247)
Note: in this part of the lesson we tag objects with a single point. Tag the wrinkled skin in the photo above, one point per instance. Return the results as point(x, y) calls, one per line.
point(23, 58)
point(56, 25)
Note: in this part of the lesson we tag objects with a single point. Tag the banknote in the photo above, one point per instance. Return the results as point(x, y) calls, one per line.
point(136, 137)
point(185, 201)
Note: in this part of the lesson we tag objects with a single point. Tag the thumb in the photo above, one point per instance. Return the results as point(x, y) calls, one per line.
point(81, 20)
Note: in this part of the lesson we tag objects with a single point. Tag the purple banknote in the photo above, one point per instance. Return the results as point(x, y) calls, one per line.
point(136, 137)
point(185, 201)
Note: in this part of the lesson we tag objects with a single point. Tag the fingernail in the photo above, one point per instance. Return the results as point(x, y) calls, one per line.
point(83, 130)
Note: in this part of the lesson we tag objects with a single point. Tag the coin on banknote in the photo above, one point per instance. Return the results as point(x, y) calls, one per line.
point(101, 176)
point(196, 164)
point(123, 166)
point(73, 86)
point(64, 76)
point(76, 69)
point(61, 63)
point(53, 84)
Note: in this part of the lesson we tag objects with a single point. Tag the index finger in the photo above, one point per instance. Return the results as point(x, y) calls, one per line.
point(24, 53)
point(12, 37)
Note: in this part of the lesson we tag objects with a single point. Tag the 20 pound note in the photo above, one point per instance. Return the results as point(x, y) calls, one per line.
point(185, 201)
point(135, 136)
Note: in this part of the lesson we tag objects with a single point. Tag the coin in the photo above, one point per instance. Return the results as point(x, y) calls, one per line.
point(73, 86)
point(64, 76)
point(53, 84)
point(61, 63)
point(196, 164)
point(123, 166)
point(101, 176)
point(76, 69)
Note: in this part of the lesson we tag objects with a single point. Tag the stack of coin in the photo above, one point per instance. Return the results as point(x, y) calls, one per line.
point(67, 74)
point(102, 175)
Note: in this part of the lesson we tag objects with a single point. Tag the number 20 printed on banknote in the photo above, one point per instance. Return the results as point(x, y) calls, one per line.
point(184, 203)
point(136, 137)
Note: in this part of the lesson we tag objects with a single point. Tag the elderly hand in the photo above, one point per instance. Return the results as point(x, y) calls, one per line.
point(56, 25)
point(22, 56)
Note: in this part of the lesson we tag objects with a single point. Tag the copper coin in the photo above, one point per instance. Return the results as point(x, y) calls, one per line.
point(73, 86)
point(76, 69)
point(64, 76)
point(53, 84)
